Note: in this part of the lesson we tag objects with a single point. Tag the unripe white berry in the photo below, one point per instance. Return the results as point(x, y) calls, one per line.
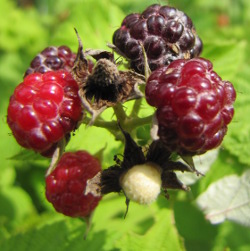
point(142, 183)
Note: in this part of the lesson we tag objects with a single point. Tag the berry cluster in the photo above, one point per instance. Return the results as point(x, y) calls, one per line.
point(194, 105)
point(166, 34)
point(66, 184)
point(62, 90)
point(43, 110)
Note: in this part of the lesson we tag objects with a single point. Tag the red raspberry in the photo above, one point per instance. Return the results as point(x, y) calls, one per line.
point(66, 185)
point(43, 109)
point(165, 32)
point(194, 105)
point(52, 58)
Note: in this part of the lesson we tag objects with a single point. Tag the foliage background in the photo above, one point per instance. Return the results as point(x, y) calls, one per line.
point(28, 222)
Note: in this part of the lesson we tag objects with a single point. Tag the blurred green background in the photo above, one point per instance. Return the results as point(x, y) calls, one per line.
point(27, 221)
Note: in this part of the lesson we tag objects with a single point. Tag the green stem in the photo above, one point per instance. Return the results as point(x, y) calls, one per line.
point(120, 113)
point(128, 123)
point(136, 108)
point(110, 125)
point(140, 121)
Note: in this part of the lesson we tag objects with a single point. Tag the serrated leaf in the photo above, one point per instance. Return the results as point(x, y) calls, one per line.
point(13, 28)
point(24, 155)
point(95, 27)
point(161, 236)
point(228, 198)
point(227, 57)
point(64, 234)
point(237, 140)
point(109, 216)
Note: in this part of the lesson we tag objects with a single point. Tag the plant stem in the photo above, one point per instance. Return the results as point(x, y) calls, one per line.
point(128, 123)
point(110, 125)
point(120, 113)
point(140, 121)
point(136, 108)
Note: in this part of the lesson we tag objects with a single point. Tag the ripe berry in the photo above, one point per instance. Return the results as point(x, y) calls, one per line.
point(52, 58)
point(142, 183)
point(194, 105)
point(44, 109)
point(66, 184)
point(165, 32)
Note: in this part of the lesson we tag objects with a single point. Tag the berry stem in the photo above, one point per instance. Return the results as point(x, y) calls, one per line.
point(120, 113)
point(99, 122)
point(140, 121)
point(136, 108)
point(128, 122)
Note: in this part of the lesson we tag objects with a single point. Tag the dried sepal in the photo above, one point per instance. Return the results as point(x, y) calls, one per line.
point(110, 181)
point(189, 160)
point(154, 128)
point(57, 154)
point(115, 49)
point(105, 85)
point(93, 186)
point(80, 69)
point(147, 70)
point(133, 154)
point(158, 153)
point(170, 181)
point(100, 54)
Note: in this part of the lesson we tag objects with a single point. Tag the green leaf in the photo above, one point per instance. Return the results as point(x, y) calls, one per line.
point(7, 176)
point(228, 198)
point(161, 236)
point(226, 56)
point(59, 232)
point(20, 28)
point(191, 225)
point(232, 236)
point(109, 215)
point(63, 234)
point(225, 165)
point(16, 206)
point(237, 140)
point(25, 154)
point(95, 26)
point(93, 139)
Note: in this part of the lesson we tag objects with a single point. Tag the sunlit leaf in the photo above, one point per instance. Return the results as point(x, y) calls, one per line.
point(95, 26)
point(161, 236)
point(226, 56)
point(237, 140)
point(228, 198)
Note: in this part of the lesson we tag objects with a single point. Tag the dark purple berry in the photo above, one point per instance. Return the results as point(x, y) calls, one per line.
point(165, 33)
point(52, 58)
